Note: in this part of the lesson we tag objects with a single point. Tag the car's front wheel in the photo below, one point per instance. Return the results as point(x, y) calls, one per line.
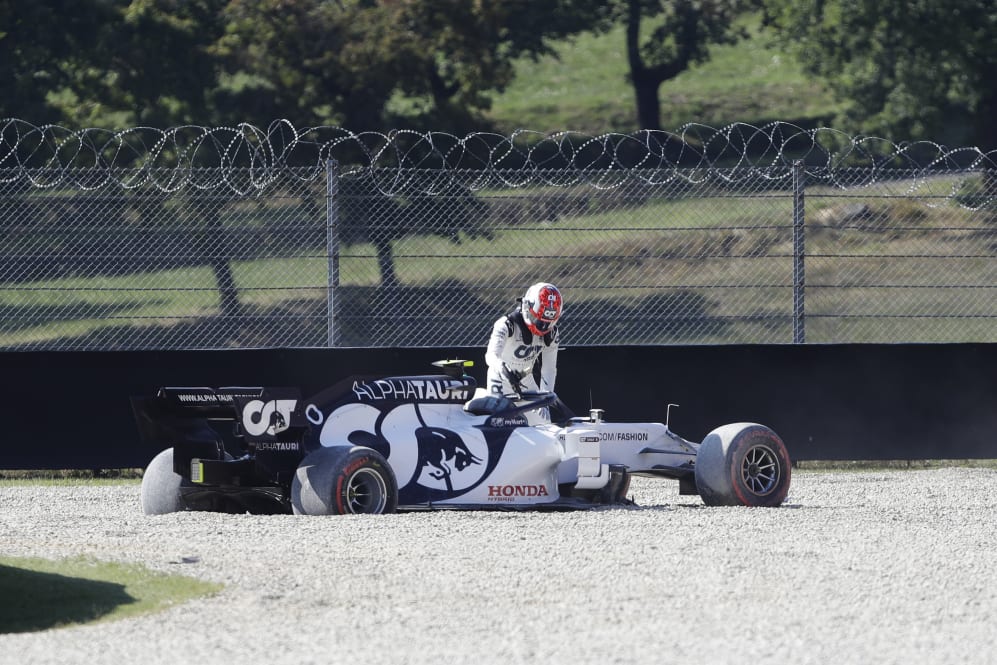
point(742, 464)
point(342, 480)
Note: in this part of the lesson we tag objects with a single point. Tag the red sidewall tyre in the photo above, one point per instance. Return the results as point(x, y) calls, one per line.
point(343, 480)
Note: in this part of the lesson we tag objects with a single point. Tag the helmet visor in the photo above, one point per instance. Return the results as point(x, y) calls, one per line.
point(541, 325)
point(543, 319)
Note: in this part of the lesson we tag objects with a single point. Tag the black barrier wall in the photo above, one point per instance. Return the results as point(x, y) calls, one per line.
point(71, 410)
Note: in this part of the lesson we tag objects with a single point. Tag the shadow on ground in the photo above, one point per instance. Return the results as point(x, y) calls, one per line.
point(37, 600)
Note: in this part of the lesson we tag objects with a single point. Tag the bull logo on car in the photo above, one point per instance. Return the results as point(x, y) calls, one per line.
point(429, 458)
point(441, 451)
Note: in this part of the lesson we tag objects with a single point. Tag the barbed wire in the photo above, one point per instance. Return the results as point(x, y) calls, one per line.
point(246, 158)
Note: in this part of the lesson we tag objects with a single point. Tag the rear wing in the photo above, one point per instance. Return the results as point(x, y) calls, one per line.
point(203, 402)
point(203, 414)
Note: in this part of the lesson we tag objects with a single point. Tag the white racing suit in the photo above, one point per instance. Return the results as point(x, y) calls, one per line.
point(513, 349)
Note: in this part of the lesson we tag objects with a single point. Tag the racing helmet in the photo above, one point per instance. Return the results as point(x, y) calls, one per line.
point(542, 307)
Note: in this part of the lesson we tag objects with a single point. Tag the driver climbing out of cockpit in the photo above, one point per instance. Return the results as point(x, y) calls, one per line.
point(521, 338)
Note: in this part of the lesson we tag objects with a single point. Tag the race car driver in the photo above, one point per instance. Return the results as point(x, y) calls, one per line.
point(522, 337)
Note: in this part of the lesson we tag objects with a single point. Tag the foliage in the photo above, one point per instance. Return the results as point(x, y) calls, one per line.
point(40, 45)
point(920, 70)
point(455, 54)
point(145, 62)
point(317, 62)
point(155, 61)
point(915, 70)
point(210, 62)
point(340, 63)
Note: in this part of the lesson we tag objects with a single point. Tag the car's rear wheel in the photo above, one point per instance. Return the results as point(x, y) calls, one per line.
point(342, 480)
point(742, 464)
point(161, 486)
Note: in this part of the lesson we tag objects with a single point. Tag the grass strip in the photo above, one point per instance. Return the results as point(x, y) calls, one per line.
point(70, 476)
point(42, 594)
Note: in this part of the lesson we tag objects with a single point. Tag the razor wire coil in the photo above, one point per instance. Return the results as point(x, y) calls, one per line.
point(209, 237)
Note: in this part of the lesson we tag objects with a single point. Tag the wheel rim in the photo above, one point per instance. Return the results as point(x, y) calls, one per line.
point(366, 492)
point(760, 470)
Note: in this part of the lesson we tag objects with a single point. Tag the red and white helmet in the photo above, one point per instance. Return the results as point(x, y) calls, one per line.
point(542, 307)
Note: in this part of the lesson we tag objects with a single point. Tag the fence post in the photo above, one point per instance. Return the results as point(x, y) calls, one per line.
point(799, 252)
point(332, 249)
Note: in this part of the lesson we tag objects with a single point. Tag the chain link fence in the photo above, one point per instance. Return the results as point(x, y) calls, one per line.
point(240, 237)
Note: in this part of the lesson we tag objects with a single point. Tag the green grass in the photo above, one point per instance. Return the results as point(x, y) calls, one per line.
point(41, 594)
point(73, 307)
point(586, 89)
point(69, 477)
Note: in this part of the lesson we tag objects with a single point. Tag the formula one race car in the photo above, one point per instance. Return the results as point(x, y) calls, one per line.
point(428, 442)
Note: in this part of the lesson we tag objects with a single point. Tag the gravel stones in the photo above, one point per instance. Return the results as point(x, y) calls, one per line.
point(873, 566)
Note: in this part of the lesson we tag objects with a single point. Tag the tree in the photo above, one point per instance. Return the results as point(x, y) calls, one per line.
point(154, 62)
point(117, 63)
point(685, 31)
point(423, 207)
point(313, 62)
point(108, 63)
point(39, 42)
point(454, 54)
point(919, 69)
point(341, 63)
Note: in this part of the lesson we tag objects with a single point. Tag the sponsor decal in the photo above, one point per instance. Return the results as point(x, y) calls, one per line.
point(204, 398)
point(589, 439)
point(507, 421)
point(277, 446)
point(524, 352)
point(624, 436)
point(513, 492)
point(409, 389)
point(209, 398)
point(259, 417)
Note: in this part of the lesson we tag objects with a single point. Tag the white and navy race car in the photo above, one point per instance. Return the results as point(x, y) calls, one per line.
point(377, 445)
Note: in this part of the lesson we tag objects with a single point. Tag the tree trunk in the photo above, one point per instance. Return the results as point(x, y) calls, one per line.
point(986, 127)
point(987, 140)
point(386, 263)
point(648, 103)
point(647, 78)
point(642, 78)
point(213, 248)
point(227, 293)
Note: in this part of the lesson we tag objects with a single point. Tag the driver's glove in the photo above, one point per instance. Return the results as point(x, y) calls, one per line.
point(512, 376)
